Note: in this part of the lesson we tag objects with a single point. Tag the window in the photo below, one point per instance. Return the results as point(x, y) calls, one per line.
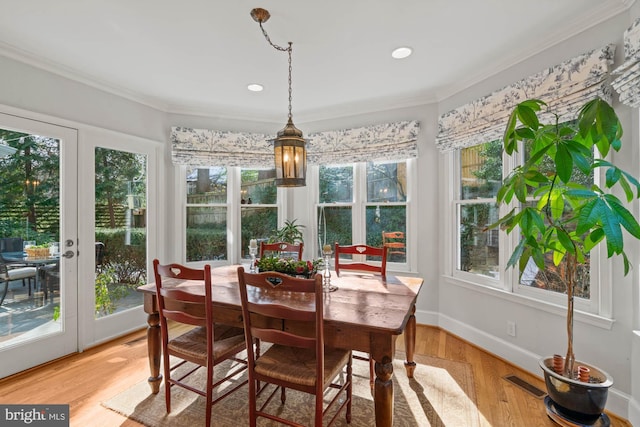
point(479, 256)
point(348, 216)
point(336, 205)
point(259, 209)
point(206, 215)
point(549, 278)
point(386, 207)
point(215, 197)
point(480, 175)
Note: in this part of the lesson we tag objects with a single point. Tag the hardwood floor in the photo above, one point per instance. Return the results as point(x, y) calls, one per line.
point(86, 379)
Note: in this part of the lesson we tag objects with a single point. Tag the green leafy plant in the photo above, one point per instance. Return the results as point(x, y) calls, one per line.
point(289, 266)
point(570, 216)
point(108, 291)
point(290, 232)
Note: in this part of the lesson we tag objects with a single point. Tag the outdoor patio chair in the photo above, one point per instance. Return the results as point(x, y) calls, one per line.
point(50, 279)
point(11, 244)
point(395, 241)
point(8, 274)
point(99, 255)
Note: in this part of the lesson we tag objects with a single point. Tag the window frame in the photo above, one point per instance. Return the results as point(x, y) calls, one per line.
point(359, 206)
point(233, 216)
point(600, 301)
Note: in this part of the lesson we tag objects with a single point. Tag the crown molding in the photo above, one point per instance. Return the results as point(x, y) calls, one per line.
point(606, 10)
point(53, 67)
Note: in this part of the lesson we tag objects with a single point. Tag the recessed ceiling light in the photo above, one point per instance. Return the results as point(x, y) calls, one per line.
point(255, 87)
point(401, 52)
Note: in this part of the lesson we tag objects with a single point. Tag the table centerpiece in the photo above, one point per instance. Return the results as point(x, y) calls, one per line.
point(292, 267)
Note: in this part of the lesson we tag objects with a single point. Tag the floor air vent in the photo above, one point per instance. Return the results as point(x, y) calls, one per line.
point(529, 388)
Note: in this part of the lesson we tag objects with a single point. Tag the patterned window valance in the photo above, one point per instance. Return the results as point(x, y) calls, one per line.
point(200, 147)
point(562, 87)
point(388, 141)
point(627, 84)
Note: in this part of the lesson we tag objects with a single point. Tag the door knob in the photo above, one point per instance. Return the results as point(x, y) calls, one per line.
point(68, 254)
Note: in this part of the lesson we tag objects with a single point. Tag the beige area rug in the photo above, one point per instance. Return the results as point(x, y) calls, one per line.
point(442, 393)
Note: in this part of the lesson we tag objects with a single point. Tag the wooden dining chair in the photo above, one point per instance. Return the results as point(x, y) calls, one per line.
point(281, 247)
point(361, 250)
point(205, 345)
point(342, 264)
point(297, 358)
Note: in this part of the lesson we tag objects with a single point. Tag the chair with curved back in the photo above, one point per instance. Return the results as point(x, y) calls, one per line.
point(362, 250)
point(205, 345)
point(297, 358)
point(281, 247)
point(341, 264)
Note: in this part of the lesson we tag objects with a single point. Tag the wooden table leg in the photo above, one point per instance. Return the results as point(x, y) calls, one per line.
point(153, 342)
point(410, 343)
point(383, 393)
point(153, 348)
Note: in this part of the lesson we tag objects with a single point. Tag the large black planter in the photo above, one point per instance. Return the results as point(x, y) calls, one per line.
point(576, 400)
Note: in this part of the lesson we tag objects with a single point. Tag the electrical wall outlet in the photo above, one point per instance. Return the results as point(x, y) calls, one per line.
point(511, 328)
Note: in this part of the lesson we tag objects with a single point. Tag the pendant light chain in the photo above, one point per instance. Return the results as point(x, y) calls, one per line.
point(290, 68)
point(289, 146)
point(289, 50)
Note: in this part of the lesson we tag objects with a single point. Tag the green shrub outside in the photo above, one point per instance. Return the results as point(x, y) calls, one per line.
point(206, 244)
point(129, 262)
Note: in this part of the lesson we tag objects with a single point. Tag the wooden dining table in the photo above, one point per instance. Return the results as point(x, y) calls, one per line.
point(366, 313)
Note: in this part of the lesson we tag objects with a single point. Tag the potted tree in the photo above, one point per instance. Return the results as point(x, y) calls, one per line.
point(561, 218)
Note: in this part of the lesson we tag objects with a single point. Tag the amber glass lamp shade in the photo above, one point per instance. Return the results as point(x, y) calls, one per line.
point(290, 157)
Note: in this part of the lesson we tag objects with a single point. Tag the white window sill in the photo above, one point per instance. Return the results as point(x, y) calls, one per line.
point(579, 316)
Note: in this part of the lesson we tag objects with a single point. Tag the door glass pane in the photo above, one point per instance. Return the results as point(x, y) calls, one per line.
point(206, 214)
point(29, 237)
point(121, 229)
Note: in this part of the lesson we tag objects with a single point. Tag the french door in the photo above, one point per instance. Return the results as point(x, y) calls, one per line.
point(39, 207)
point(118, 229)
point(84, 196)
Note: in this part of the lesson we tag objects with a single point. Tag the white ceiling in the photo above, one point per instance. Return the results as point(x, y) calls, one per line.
point(197, 56)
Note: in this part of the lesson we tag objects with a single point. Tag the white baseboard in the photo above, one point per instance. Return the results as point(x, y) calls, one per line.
point(634, 412)
point(618, 402)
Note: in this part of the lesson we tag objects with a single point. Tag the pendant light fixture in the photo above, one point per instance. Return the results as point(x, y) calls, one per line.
point(289, 146)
